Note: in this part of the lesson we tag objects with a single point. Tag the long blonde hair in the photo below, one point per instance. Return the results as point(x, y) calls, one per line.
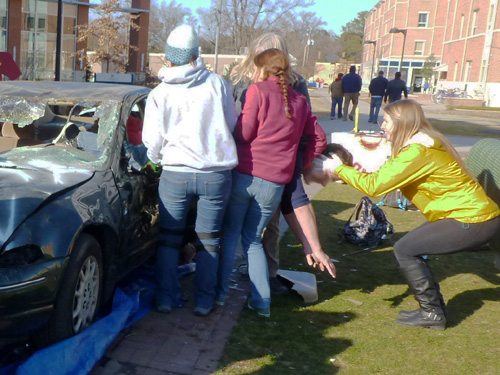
point(409, 119)
point(246, 71)
point(274, 62)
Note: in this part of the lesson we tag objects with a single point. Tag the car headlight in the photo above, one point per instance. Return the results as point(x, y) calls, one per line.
point(21, 256)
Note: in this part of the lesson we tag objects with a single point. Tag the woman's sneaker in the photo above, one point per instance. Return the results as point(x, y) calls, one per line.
point(264, 312)
point(163, 307)
point(202, 311)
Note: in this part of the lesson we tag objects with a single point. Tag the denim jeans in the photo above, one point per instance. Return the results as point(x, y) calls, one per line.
point(375, 105)
point(177, 190)
point(337, 102)
point(253, 202)
point(350, 97)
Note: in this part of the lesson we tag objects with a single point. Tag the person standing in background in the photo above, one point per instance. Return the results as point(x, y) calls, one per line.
point(351, 85)
point(337, 95)
point(395, 88)
point(377, 89)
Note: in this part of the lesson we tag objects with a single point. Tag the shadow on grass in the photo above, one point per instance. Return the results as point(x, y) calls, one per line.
point(293, 340)
point(465, 304)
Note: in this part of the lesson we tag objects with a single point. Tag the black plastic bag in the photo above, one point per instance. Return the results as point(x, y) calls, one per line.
point(369, 226)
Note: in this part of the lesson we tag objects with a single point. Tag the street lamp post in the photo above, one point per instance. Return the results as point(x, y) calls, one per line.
point(58, 40)
point(395, 30)
point(373, 59)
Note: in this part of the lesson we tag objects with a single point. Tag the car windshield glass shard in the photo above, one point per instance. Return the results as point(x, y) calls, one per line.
point(81, 130)
point(20, 111)
point(108, 114)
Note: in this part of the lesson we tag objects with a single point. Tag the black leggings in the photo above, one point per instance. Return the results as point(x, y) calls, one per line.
point(443, 237)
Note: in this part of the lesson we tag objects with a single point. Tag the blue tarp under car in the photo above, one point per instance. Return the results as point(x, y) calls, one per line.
point(77, 355)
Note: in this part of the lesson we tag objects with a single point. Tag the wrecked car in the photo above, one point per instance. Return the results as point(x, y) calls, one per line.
point(77, 211)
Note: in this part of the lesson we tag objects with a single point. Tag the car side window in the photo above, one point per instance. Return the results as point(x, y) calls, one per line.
point(133, 143)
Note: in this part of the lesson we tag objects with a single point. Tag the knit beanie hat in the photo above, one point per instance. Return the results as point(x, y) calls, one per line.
point(182, 44)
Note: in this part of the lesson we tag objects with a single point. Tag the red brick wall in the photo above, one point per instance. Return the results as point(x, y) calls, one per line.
point(82, 19)
point(15, 24)
point(443, 37)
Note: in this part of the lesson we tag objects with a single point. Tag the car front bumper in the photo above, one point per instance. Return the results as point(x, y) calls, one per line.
point(27, 295)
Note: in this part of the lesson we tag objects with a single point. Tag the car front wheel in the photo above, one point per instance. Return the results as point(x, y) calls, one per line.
point(79, 297)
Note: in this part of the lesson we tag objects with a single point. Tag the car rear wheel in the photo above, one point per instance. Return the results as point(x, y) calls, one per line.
point(79, 297)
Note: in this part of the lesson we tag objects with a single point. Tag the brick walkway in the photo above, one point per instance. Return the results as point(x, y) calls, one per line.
point(176, 343)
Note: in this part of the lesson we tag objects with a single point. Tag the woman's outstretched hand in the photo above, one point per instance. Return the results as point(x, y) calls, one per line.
point(326, 164)
point(322, 261)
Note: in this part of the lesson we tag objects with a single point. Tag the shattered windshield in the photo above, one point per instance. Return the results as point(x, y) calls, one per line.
point(56, 134)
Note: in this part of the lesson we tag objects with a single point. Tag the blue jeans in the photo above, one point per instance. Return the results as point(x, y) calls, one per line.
point(252, 204)
point(177, 190)
point(337, 102)
point(375, 105)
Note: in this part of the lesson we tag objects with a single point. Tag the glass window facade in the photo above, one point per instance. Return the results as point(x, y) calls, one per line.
point(39, 37)
point(3, 25)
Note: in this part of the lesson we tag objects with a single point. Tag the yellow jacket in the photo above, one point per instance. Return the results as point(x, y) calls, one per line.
point(428, 176)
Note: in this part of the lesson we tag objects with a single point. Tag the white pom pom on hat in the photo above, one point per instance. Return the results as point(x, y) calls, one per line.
point(182, 44)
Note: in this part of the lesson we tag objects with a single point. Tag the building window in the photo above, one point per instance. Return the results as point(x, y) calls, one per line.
point(462, 21)
point(38, 40)
point(3, 25)
point(422, 19)
point(474, 22)
point(492, 14)
point(419, 48)
point(483, 71)
point(468, 67)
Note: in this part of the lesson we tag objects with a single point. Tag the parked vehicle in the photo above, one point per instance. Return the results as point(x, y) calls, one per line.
point(440, 96)
point(77, 211)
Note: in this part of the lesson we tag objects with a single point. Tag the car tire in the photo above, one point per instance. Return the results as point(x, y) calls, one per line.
point(79, 296)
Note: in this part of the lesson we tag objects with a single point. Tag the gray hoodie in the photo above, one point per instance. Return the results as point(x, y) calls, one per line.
point(189, 121)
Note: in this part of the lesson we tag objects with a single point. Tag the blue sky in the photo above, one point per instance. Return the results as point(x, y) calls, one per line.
point(334, 12)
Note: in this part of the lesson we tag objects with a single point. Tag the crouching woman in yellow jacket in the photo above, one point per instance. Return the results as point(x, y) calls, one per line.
point(429, 172)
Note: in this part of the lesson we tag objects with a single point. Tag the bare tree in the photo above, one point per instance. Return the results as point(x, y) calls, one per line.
point(109, 32)
point(164, 17)
point(242, 20)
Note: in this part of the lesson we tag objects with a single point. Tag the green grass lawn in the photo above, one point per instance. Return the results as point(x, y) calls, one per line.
point(351, 330)
point(465, 128)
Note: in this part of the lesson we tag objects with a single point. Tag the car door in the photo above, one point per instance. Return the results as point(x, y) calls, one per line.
point(138, 192)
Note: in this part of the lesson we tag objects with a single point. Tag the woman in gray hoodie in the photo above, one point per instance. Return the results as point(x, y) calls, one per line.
point(188, 123)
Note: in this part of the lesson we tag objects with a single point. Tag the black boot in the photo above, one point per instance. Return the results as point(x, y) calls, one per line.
point(410, 313)
point(421, 283)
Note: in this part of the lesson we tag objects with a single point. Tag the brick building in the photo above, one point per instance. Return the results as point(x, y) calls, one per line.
point(463, 36)
point(28, 31)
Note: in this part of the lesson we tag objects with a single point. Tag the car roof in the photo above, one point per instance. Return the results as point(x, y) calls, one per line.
point(68, 90)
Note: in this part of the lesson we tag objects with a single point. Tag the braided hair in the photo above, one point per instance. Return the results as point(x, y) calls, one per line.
point(273, 62)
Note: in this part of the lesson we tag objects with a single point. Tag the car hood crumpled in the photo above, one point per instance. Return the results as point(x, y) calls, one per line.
point(22, 191)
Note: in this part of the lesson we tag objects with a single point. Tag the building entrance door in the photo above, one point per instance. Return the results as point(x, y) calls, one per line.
point(417, 84)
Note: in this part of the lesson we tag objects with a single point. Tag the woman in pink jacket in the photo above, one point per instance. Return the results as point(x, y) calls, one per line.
point(267, 138)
